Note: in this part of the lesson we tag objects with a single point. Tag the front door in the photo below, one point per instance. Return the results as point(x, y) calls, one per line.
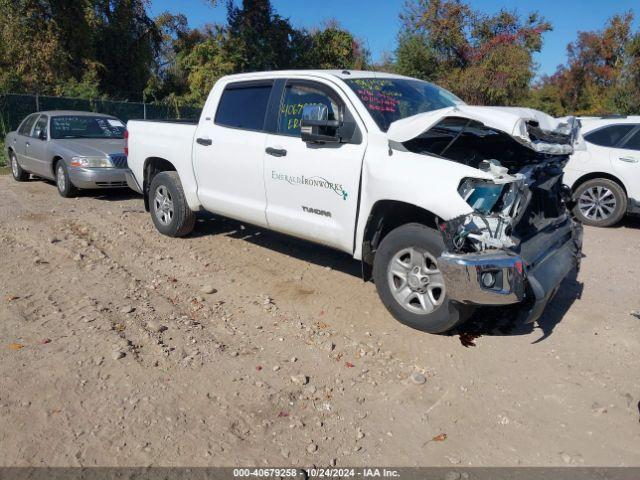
point(228, 153)
point(312, 189)
point(38, 148)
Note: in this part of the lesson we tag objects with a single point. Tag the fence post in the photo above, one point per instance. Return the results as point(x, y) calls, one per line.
point(37, 103)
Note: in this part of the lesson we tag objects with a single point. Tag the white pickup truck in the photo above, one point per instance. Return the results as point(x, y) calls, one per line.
point(447, 206)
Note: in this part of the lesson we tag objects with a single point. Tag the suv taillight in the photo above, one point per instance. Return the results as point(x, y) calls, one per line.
point(126, 142)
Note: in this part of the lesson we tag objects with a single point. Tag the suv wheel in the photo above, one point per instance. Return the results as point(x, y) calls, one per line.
point(600, 202)
point(169, 209)
point(409, 283)
point(19, 175)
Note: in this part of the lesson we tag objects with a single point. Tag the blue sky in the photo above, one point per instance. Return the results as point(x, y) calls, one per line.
point(376, 21)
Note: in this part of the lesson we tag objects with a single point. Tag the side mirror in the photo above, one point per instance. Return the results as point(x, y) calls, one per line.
point(315, 126)
point(41, 134)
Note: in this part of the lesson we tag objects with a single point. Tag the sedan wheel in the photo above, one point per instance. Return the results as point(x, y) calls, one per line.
point(16, 170)
point(597, 203)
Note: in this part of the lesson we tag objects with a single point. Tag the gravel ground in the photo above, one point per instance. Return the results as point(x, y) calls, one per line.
point(238, 346)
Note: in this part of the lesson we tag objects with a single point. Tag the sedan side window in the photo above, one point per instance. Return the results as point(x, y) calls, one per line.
point(295, 98)
point(41, 127)
point(609, 136)
point(634, 142)
point(27, 124)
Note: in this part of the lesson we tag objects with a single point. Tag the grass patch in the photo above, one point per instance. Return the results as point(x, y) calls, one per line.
point(5, 170)
point(3, 157)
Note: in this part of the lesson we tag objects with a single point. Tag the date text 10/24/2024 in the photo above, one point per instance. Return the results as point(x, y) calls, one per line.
point(316, 472)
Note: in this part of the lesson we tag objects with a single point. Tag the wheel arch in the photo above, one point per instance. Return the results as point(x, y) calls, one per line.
point(152, 167)
point(594, 175)
point(54, 164)
point(386, 215)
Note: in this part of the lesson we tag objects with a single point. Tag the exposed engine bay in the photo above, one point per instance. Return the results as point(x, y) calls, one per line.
point(526, 194)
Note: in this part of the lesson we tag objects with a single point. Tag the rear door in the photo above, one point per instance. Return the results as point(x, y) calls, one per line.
point(312, 189)
point(625, 159)
point(22, 142)
point(228, 153)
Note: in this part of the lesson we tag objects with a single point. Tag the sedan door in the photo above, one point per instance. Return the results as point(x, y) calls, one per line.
point(22, 142)
point(312, 188)
point(38, 148)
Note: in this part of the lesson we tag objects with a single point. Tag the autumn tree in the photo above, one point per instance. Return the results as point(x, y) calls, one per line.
point(602, 74)
point(484, 59)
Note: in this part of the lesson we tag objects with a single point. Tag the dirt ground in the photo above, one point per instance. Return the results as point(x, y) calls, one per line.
point(112, 354)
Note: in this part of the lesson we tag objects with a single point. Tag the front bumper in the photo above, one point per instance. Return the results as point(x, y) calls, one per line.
point(91, 178)
point(536, 270)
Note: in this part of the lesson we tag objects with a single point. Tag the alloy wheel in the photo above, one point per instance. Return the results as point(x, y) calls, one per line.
point(415, 281)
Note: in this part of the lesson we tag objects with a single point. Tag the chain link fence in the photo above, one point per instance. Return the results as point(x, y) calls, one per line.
point(15, 107)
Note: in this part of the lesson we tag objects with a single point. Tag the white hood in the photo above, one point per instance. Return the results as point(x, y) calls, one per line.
point(510, 120)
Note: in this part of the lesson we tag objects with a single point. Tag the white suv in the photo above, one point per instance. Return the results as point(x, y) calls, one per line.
point(605, 175)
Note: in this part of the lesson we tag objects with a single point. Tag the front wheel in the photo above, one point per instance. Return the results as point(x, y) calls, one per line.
point(409, 282)
point(19, 175)
point(63, 182)
point(600, 202)
point(169, 209)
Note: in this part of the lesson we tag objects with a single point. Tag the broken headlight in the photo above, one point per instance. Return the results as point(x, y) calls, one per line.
point(481, 195)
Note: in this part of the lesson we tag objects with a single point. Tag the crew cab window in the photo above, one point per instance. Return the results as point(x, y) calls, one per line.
point(41, 126)
point(27, 124)
point(609, 136)
point(634, 142)
point(243, 106)
point(294, 100)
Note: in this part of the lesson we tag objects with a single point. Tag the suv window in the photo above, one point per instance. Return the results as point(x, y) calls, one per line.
point(41, 125)
point(25, 128)
point(634, 142)
point(243, 106)
point(609, 136)
point(294, 100)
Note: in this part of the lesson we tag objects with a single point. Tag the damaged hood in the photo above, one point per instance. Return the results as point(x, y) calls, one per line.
point(532, 128)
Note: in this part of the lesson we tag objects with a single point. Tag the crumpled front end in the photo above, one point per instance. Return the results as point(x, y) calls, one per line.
point(518, 244)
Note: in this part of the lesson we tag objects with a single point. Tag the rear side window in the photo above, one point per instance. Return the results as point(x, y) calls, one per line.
point(634, 142)
point(27, 124)
point(609, 136)
point(243, 107)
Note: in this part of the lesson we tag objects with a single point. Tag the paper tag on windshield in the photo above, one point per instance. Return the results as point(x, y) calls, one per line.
point(115, 123)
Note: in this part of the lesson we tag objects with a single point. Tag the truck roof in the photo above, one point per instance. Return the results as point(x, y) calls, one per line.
point(327, 74)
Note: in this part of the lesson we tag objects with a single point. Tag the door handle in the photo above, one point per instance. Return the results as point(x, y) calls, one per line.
point(276, 152)
point(27, 144)
point(204, 141)
point(629, 159)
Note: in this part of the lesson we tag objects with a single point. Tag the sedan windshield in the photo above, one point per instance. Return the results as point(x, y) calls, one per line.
point(391, 99)
point(85, 126)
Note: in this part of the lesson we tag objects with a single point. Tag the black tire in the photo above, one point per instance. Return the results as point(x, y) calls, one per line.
point(19, 175)
point(65, 188)
point(182, 219)
point(414, 235)
point(585, 192)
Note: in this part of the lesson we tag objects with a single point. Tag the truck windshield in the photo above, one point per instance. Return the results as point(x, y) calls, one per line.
point(391, 99)
point(86, 126)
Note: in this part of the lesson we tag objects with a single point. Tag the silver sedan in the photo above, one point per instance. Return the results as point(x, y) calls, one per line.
point(79, 150)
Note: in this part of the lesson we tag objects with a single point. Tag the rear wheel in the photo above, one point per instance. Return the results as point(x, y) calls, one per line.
point(600, 202)
point(169, 209)
point(63, 182)
point(19, 175)
point(409, 282)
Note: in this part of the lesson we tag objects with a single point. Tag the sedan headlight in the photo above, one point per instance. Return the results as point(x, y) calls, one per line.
point(91, 162)
point(481, 195)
